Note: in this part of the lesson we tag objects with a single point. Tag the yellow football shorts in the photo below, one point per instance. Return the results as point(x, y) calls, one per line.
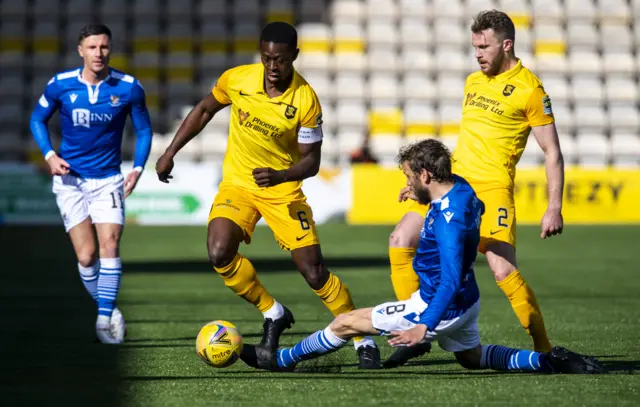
point(289, 217)
point(499, 219)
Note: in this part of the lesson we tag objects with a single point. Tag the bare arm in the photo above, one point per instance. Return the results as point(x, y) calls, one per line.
point(191, 126)
point(309, 164)
point(547, 138)
point(195, 121)
point(307, 167)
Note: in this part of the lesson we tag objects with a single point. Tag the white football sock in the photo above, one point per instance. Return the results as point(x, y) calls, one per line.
point(275, 312)
point(89, 277)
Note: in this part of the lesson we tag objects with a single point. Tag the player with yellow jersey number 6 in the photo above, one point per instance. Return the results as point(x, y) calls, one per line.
point(275, 139)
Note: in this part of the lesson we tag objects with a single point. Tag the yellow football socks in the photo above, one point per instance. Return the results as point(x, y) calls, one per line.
point(524, 304)
point(335, 296)
point(404, 279)
point(240, 276)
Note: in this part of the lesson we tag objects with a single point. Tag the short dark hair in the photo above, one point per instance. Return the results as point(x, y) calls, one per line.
point(93, 29)
point(496, 20)
point(430, 155)
point(280, 33)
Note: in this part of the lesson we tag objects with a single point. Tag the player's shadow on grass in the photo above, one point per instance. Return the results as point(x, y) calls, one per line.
point(621, 366)
point(260, 263)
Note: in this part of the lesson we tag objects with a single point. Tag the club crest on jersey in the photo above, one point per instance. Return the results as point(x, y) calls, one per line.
point(508, 90)
point(115, 100)
point(470, 97)
point(242, 116)
point(290, 112)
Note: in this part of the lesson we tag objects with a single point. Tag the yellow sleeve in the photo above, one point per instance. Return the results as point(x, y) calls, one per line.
point(220, 88)
point(311, 116)
point(538, 109)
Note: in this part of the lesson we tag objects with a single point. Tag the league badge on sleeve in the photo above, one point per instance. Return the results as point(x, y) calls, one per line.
point(546, 104)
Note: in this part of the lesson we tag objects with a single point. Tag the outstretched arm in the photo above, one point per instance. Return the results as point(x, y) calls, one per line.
point(195, 121)
point(191, 126)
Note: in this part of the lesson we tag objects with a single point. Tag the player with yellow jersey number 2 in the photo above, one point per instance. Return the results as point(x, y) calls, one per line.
point(275, 137)
point(502, 103)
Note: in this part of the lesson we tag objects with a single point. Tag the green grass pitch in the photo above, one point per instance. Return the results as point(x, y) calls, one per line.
point(587, 282)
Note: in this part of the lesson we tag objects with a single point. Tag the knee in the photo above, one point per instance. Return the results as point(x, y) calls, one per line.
point(316, 274)
point(220, 254)
point(501, 270)
point(87, 257)
point(109, 246)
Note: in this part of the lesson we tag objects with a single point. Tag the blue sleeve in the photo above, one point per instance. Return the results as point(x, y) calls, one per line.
point(142, 126)
point(450, 240)
point(48, 103)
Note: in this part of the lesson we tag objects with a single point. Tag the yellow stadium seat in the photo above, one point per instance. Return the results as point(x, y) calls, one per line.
point(386, 122)
point(550, 47)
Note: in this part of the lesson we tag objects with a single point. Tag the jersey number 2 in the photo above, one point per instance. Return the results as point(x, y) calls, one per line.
point(504, 214)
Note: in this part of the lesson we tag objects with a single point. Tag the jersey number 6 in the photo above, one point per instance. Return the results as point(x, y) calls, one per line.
point(304, 222)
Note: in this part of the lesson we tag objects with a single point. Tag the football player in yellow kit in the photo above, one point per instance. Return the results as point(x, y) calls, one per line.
point(503, 102)
point(275, 139)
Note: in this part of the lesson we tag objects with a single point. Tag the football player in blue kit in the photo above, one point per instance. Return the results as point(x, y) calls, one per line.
point(94, 102)
point(446, 307)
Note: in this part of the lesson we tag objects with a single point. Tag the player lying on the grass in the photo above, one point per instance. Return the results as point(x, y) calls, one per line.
point(446, 307)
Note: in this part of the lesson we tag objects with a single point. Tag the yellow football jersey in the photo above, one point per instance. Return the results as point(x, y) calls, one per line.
point(497, 115)
point(263, 131)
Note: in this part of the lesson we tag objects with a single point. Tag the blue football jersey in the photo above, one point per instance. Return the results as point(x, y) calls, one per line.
point(447, 252)
point(92, 119)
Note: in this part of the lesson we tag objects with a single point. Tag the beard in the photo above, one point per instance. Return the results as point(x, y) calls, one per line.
point(494, 68)
point(423, 195)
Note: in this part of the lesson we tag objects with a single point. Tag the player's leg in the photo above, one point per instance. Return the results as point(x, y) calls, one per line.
point(463, 339)
point(291, 221)
point(382, 319)
point(232, 220)
point(497, 242)
point(558, 360)
point(106, 209)
point(75, 215)
point(110, 322)
point(83, 239)
point(403, 243)
point(344, 327)
point(335, 295)
point(333, 337)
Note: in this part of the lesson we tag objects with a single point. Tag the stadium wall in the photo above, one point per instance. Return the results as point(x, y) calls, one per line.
point(363, 194)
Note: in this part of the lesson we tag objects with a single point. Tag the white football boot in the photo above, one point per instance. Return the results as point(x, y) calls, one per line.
point(104, 331)
point(118, 326)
